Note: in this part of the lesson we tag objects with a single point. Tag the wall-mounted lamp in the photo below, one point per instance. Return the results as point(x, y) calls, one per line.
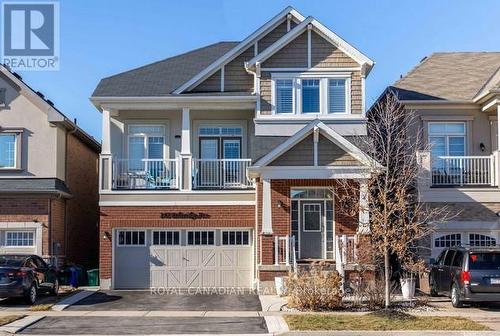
point(280, 204)
point(482, 147)
point(106, 235)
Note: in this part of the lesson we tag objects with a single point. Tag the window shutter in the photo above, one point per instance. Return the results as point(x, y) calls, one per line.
point(284, 96)
point(336, 96)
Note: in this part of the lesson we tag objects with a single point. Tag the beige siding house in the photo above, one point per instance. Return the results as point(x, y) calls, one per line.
point(218, 165)
point(457, 98)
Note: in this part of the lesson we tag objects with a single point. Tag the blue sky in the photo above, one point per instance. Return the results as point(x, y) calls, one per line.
point(100, 38)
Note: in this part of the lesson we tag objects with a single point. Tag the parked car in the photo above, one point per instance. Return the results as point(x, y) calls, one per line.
point(26, 276)
point(467, 274)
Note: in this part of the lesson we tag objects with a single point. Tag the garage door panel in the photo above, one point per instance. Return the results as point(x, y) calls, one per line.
point(192, 257)
point(209, 278)
point(244, 258)
point(228, 277)
point(209, 259)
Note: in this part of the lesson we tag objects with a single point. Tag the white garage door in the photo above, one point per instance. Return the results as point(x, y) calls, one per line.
point(183, 258)
point(216, 266)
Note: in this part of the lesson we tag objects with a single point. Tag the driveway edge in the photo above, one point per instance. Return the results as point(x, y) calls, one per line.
point(65, 303)
point(393, 333)
point(18, 325)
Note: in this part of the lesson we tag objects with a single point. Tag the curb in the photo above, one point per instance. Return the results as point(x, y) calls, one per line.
point(276, 325)
point(65, 303)
point(18, 325)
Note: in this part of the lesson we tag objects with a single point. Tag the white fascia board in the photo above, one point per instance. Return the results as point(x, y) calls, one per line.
point(173, 98)
point(173, 203)
point(326, 33)
point(310, 172)
point(233, 53)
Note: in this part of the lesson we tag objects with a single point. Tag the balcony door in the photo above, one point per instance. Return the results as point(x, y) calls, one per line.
point(216, 167)
point(145, 165)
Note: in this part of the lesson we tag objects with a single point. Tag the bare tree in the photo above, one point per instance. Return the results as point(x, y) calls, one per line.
point(398, 221)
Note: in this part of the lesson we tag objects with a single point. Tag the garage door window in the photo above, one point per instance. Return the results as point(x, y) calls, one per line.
point(166, 238)
point(448, 240)
point(235, 238)
point(131, 238)
point(201, 238)
point(20, 238)
point(476, 239)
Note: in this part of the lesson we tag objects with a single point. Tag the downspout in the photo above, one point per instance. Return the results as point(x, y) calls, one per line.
point(66, 234)
point(256, 84)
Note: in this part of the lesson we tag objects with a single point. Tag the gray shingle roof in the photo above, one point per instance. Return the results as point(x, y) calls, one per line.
point(162, 77)
point(456, 76)
point(33, 185)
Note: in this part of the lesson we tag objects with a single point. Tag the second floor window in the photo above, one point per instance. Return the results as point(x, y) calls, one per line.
point(145, 143)
point(284, 96)
point(301, 94)
point(310, 96)
point(8, 150)
point(447, 139)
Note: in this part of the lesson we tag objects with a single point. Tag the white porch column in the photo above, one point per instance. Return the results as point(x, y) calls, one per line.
point(497, 172)
point(185, 156)
point(106, 132)
point(364, 212)
point(267, 225)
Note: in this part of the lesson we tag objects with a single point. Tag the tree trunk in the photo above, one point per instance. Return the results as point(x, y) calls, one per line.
point(387, 278)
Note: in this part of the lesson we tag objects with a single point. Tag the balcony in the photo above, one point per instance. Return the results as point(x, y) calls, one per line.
point(221, 174)
point(149, 174)
point(464, 171)
point(160, 174)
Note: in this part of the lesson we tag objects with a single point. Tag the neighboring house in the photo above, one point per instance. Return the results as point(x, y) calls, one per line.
point(215, 161)
point(456, 97)
point(48, 178)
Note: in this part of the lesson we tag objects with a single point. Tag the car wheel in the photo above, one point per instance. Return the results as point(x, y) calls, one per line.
point(455, 297)
point(30, 295)
point(55, 288)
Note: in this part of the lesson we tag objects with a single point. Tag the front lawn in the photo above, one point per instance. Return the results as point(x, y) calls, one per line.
point(379, 321)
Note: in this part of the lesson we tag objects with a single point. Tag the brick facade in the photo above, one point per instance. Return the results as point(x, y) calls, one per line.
point(150, 217)
point(82, 210)
point(345, 223)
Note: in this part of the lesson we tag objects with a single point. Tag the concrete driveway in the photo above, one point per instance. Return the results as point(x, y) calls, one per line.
point(145, 301)
point(146, 325)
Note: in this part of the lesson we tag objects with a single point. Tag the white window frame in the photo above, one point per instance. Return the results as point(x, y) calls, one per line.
point(130, 245)
point(146, 137)
point(16, 149)
point(447, 136)
point(228, 231)
point(321, 215)
point(323, 92)
point(17, 232)
point(159, 231)
point(483, 234)
point(187, 238)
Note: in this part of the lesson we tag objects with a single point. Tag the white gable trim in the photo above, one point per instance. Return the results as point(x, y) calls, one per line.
point(328, 133)
point(245, 44)
point(323, 32)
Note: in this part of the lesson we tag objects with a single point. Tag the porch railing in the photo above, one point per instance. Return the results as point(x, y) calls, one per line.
point(284, 251)
point(348, 248)
point(463, 170)
point(221, 174)
point(145, 174)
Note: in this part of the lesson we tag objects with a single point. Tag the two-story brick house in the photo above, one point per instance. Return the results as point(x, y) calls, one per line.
point(219, 165)
point(456, 97)
point(48, 178)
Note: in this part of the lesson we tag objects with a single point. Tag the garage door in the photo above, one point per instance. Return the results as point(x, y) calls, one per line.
point(186, 259)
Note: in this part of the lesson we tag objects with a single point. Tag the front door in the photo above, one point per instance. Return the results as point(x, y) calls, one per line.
point(312, 230)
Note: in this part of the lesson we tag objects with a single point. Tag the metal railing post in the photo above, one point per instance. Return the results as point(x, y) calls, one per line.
point(276, 250)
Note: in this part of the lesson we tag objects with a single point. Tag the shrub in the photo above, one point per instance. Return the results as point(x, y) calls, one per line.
point(315, 289)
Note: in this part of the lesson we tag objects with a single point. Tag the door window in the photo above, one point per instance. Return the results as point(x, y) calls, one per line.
point(166, 238)
point(235, 238)
point(201, 238)
point(312, 217)
point(131, 238)
point(449, 240)
point(145, 147)
point(476, 239)
point(446, 139)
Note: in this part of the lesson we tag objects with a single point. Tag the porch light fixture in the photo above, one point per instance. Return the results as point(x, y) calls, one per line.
point(106, 235)
point(482, 147)
point(280, 204)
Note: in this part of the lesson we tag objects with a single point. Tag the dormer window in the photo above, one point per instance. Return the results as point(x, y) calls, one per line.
point(310, 94)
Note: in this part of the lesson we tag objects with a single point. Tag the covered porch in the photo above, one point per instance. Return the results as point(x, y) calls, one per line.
point(301, 215)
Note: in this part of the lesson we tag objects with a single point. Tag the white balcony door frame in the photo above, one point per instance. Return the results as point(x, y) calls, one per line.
point(146, 137)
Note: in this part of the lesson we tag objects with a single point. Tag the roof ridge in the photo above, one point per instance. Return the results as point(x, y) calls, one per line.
point(171, 57)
